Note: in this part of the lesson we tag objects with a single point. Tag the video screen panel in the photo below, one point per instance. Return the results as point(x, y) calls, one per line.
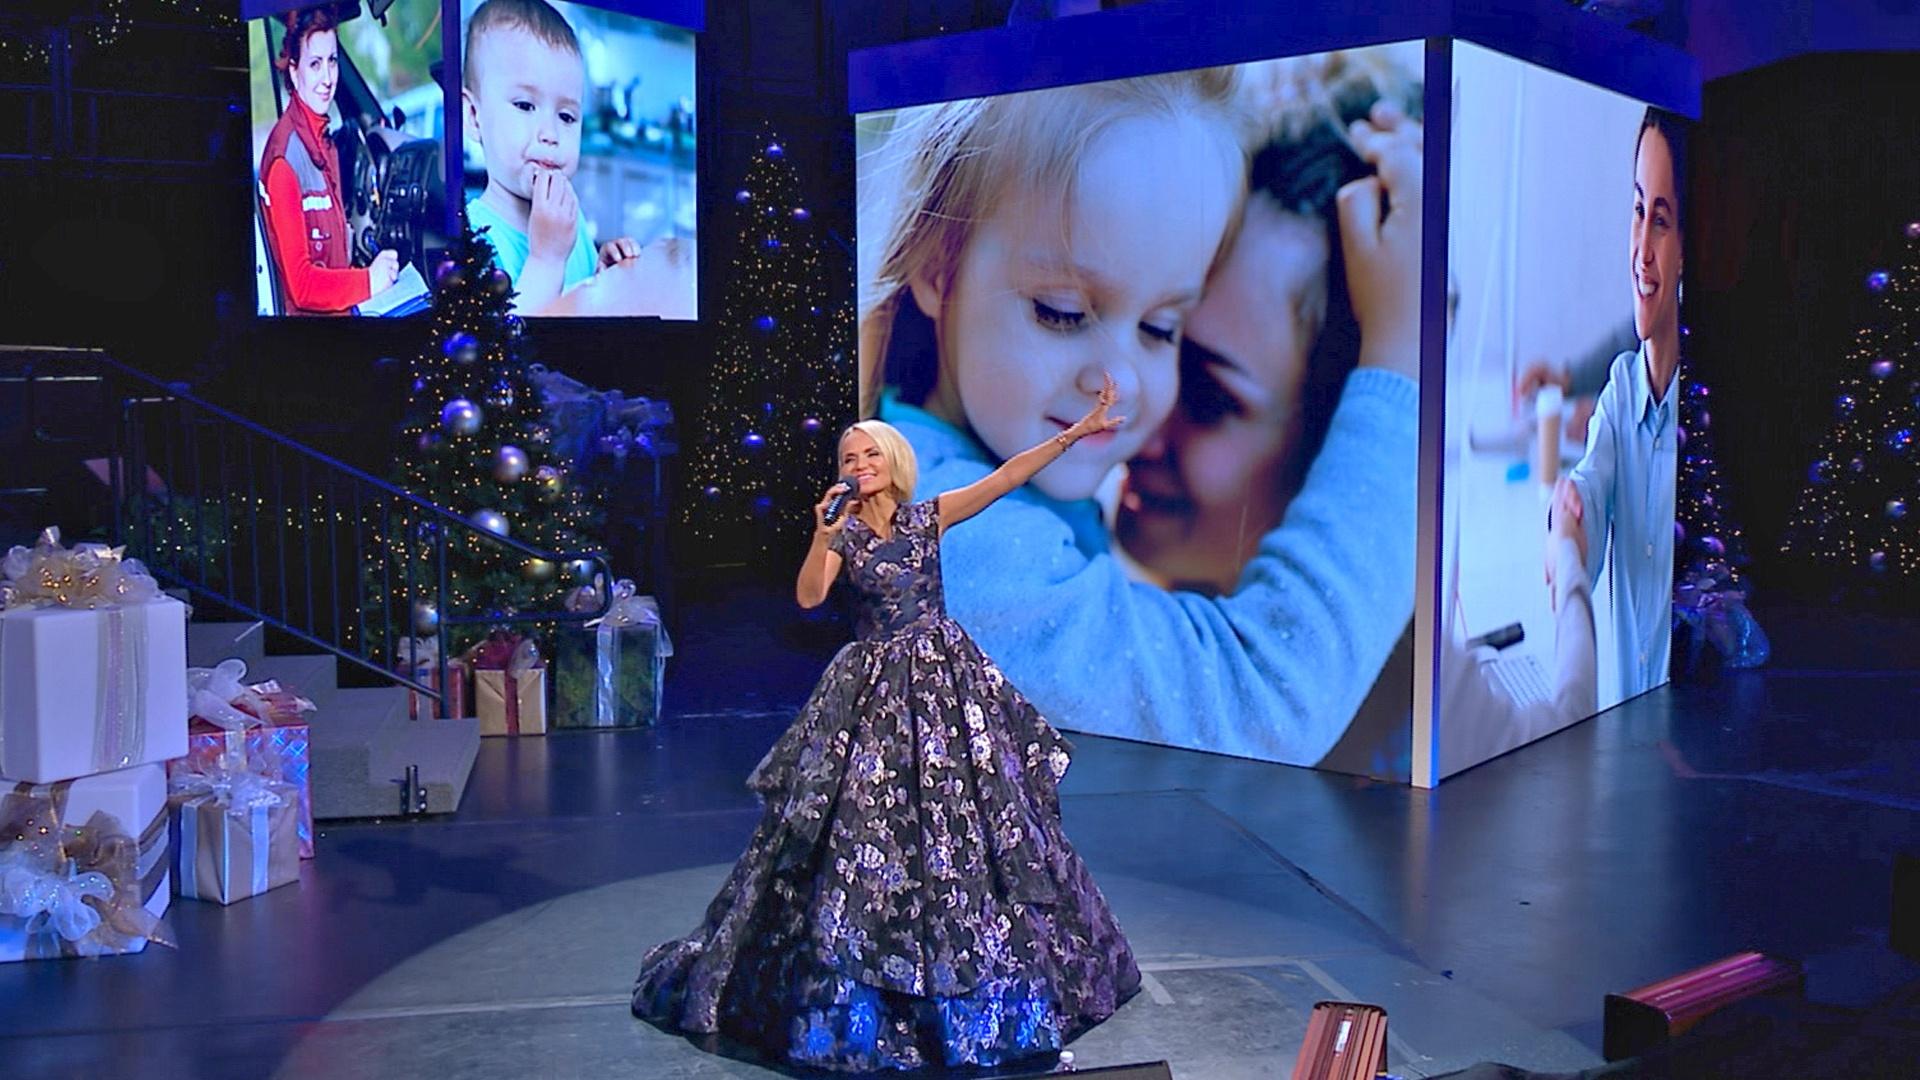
point(1562, 378)
point(349, 188)
point(1239, 248)
point(578, 156)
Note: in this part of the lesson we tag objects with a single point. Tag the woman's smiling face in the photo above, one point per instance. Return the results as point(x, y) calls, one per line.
point(318, 70)
point(1209, 483)
point(862, 459)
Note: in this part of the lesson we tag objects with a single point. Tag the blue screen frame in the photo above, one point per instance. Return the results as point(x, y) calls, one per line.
point(690, 14)
point(1176, 35)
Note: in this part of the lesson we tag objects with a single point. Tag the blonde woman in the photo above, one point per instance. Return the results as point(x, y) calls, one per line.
point(909, 899)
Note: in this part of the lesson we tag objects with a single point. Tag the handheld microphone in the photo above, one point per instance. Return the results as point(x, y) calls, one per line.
point(839, 502)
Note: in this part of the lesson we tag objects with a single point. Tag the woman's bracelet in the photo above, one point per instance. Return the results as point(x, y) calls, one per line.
point(1064, 440)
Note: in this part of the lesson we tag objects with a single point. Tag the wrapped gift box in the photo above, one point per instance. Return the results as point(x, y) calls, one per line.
point(262, 728)
point(89, 691)
point(420, 661)
point(236, 835)
point(509, 686)
point(280, 749)
point(103, 836)
point(610, 674)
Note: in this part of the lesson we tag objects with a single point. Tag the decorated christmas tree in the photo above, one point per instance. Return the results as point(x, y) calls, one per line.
point(781, 387)
point(1857, 511)
point(476, 441)
point(1708, 539)
point(1710, 552)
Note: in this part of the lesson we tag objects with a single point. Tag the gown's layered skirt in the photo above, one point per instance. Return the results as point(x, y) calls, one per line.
point(908, 898)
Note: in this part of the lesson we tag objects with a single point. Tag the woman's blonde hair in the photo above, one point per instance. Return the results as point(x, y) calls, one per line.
point(901, 463)
point(944, 168)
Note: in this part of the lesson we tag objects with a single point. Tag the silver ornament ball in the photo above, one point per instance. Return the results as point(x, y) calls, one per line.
point(509, 464)
point(426, 617)
point(492, 521)
point(461, 417)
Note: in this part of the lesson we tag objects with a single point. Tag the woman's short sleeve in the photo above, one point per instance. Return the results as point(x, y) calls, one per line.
point(926, 516)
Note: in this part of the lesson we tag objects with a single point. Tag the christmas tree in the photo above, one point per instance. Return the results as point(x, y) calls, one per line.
point(476, 441)
point(1708, 540)
point(1855, 513)
point(782, 382)
point(1710, 552)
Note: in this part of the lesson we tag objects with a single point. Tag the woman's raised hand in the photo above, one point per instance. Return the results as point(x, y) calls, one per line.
point(1097, 420)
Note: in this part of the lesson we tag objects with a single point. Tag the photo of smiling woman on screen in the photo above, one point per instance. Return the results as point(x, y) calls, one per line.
point(349, 188)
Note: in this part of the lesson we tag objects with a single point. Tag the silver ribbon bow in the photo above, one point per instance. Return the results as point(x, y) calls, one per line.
point(50, 899)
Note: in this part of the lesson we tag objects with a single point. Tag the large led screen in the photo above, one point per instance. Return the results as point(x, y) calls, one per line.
point(1239, 248)
point(1565, 223)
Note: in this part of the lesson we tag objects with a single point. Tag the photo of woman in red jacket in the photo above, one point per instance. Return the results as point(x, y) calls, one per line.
point(348, 118)
point(300, 190)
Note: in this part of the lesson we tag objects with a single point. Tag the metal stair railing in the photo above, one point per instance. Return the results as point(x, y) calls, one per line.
point(263, 525)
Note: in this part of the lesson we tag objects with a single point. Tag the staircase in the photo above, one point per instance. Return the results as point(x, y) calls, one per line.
point(362, 738)
point(239, 519)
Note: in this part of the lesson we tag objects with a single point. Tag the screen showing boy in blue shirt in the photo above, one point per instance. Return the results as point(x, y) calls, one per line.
point(524, 91)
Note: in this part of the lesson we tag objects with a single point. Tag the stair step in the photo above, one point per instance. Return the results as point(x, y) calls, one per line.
point(362, 748)
point(314, 677)
point(444, 751)
point(208, 643)
point(344, 738)
point(362, 739)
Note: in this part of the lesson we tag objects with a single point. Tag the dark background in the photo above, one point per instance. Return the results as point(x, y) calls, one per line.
point(1805, 175)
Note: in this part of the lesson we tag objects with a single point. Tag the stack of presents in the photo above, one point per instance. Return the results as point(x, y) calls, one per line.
point(606, 672)
point(128, 778)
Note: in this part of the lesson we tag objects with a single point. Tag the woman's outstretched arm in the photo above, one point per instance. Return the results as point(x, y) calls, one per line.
point(962, 503)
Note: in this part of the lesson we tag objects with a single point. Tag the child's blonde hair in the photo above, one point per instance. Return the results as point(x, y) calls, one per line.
point(948, 166)
point(901, 463)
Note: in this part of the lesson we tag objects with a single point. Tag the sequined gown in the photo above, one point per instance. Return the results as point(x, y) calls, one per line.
point(908, 900)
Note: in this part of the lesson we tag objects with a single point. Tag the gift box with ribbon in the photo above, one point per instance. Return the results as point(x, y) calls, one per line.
point(509, 685)
point(93, 663)
point(260, 727)
point(420, 660)
point(236, 832)
point(83, 865)
point(609, 671)
point(1708, 607)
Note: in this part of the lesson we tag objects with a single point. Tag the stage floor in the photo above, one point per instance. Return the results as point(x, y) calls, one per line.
point(1489, 917)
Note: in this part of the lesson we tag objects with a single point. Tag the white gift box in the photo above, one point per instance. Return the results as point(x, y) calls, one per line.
point(136, 799)
point(85, 691)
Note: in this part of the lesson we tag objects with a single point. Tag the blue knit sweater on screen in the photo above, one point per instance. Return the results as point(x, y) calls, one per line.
point(1275, 670)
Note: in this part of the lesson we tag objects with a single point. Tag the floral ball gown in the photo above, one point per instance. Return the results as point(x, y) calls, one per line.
point(908, 900)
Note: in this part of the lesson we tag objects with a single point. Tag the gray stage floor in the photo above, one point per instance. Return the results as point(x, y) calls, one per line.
point(1489, 917)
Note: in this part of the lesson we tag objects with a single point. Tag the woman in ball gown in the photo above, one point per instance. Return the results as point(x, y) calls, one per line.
point(909, 900)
